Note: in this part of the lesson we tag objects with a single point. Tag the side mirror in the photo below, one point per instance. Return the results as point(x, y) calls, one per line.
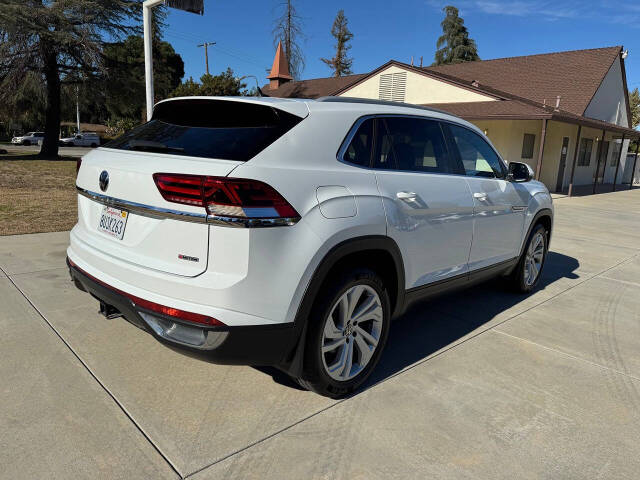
point(519, 172)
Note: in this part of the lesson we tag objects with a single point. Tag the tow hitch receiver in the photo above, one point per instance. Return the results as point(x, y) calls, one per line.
point(109, 311)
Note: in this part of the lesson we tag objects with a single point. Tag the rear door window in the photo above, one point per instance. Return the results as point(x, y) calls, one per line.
point(218, 129)
point(411, 144)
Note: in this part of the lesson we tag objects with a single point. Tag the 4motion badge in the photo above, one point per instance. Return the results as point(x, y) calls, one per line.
point(188, 258)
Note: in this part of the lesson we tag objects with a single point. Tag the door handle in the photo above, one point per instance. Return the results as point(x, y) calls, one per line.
point(406, 195)
point(480, 195)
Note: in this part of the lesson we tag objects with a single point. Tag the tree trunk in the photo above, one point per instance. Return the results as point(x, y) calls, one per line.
point(52, 116)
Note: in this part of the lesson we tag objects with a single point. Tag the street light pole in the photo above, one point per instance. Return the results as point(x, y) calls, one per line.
point(260, 94)
point(78, 106)
point(193, 6)
point(148, 52)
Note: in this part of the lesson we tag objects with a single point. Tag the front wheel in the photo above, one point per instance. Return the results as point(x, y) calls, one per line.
point(527, 273)
point(348, 330)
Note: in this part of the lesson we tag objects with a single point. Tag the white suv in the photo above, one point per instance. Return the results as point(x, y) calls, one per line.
point(283, 232)
point(84, 139)
point(29, 138)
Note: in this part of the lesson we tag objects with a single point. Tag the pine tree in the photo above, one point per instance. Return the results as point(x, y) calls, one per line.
point(454, 45)
point(61, 42)
point(340, 63)
point(634, 105)
point(288, 30)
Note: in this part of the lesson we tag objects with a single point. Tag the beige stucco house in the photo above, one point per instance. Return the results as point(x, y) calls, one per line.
point(566, 114)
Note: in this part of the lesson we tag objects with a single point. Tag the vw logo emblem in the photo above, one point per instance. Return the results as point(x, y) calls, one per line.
point(104, 180)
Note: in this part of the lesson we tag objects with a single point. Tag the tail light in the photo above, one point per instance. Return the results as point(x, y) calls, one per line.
point(226, 197)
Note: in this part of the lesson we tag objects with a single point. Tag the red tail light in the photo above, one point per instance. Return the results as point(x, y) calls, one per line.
point(224, 196)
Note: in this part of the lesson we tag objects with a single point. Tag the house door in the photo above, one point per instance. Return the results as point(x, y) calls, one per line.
point(602, 163)
point(563, 163)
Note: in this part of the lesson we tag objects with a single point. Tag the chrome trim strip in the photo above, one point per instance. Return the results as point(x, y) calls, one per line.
point(157, 212)
point(141, 209)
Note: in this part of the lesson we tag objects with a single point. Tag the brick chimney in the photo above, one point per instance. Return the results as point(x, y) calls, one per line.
point(280, 70)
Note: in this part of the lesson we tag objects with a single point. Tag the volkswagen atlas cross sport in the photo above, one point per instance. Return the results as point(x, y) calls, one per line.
point(289, 233)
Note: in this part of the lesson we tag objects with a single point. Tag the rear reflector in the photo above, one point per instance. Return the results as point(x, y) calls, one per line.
point(156, 307)
point(224, 196)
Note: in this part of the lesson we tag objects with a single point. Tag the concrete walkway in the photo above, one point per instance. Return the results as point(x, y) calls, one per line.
point(478, 384)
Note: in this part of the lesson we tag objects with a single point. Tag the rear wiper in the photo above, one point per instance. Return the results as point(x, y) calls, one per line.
point(151, 146)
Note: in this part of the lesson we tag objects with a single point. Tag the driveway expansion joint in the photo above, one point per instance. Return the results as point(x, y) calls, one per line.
point(95, 377)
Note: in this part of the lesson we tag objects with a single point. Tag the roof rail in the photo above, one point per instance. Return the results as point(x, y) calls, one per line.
point(333, 99)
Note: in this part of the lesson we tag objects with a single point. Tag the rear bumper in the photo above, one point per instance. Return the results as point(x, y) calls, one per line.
point(239, 345)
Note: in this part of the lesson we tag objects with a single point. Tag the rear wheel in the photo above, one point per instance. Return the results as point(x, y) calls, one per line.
point(527, 273)
point(348, 330)
point(27, 143)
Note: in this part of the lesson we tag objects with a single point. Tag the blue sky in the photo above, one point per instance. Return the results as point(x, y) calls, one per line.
point(386, 30)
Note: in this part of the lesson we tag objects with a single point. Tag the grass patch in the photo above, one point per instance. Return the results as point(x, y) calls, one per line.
point(37, 196)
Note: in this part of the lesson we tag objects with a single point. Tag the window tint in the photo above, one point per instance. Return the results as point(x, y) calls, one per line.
point(218, 129)
point(411, 144)
point(478, 158)
point(528, 143)
point(359, 150)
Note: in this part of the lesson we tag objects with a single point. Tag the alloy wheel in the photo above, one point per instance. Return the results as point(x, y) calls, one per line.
point(351, 332)
point(534, 259)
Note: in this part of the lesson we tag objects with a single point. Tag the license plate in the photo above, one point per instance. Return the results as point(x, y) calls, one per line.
point(113, 222)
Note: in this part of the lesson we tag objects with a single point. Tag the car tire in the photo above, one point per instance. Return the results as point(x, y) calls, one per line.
point(359, 296)
point(26, 143)
point(527, 273)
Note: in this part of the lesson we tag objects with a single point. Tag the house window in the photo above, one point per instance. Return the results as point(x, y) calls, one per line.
point(584, 154)
point(392, 86)
point(615, 154)
point(528, 142)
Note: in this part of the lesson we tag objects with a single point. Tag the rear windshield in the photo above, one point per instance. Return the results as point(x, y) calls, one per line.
point(209, 128)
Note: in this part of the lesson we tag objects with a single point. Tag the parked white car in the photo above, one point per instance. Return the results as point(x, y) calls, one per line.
point(29, 138)
point(84, 139)
point(283, 232)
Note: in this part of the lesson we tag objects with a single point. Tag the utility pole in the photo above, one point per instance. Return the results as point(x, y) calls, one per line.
point(206, 52)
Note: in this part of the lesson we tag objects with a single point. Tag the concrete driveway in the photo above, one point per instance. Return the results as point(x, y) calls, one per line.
point(478, 384)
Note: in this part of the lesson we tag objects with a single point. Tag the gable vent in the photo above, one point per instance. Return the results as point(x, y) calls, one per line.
point(393, 86)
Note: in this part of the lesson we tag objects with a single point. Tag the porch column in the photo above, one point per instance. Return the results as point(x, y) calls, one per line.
point(575, 158)
point(635, 159)
point(615, 176)
point(541, 152)
point(595, 177)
